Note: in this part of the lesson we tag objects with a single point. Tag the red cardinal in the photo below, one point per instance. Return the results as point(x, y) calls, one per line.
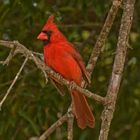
point(60, 55)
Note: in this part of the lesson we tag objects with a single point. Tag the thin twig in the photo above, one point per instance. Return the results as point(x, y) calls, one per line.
point(69, 116)
point(20, 77)
point(10, 56)
point(46, 76)
point(103, 35)
point(14, 81)
point(37, 53)
point(118, 67)
point(53, 127)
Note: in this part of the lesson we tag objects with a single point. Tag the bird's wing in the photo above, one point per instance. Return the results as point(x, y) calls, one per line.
point(75, 54)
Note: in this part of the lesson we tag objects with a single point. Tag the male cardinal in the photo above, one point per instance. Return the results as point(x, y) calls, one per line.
point(60, 55)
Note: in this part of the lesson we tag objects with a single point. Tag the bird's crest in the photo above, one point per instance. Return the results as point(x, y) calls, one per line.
point(50, 23)
point(50, 20)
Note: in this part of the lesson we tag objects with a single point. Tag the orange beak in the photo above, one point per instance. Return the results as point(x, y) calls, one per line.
point(42, 36)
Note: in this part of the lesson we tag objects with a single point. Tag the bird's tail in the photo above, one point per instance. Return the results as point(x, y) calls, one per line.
point(82, 110)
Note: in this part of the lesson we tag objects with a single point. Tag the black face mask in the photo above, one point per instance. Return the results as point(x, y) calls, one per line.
point(46, 42)
point(48, 33)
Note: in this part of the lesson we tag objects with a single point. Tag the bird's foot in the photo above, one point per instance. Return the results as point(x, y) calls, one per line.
point(72, 85)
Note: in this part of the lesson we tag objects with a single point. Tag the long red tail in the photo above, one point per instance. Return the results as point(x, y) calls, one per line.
point(82, 110)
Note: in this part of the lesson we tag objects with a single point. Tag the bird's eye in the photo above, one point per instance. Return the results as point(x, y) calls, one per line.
point(44, 32)
point(48, 32)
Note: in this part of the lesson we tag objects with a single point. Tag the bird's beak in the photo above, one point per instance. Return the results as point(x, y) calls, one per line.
point(42, 36)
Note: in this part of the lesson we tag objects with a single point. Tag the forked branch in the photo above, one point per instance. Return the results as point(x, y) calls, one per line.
point(118, 68)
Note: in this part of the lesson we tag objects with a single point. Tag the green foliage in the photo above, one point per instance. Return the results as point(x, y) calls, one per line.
point(33, 106)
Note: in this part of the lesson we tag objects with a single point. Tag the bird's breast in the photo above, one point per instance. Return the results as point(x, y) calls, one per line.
point(49, 55)
point(62, 62)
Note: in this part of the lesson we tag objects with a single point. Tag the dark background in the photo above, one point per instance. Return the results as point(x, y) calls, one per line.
point(33, 106)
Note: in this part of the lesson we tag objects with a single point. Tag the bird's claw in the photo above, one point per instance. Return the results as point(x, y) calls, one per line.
point(72, 85)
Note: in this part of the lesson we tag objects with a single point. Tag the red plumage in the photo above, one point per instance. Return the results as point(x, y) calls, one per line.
point(60, 55)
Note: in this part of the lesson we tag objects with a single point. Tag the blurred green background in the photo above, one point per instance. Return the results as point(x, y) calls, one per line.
point(33, 106)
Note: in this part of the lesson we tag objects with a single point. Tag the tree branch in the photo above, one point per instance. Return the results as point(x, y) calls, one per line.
point(14, 81)
point(118, 67)
point(40, 64)
point(10, 56)
point(53, 127)
point(103, 35)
